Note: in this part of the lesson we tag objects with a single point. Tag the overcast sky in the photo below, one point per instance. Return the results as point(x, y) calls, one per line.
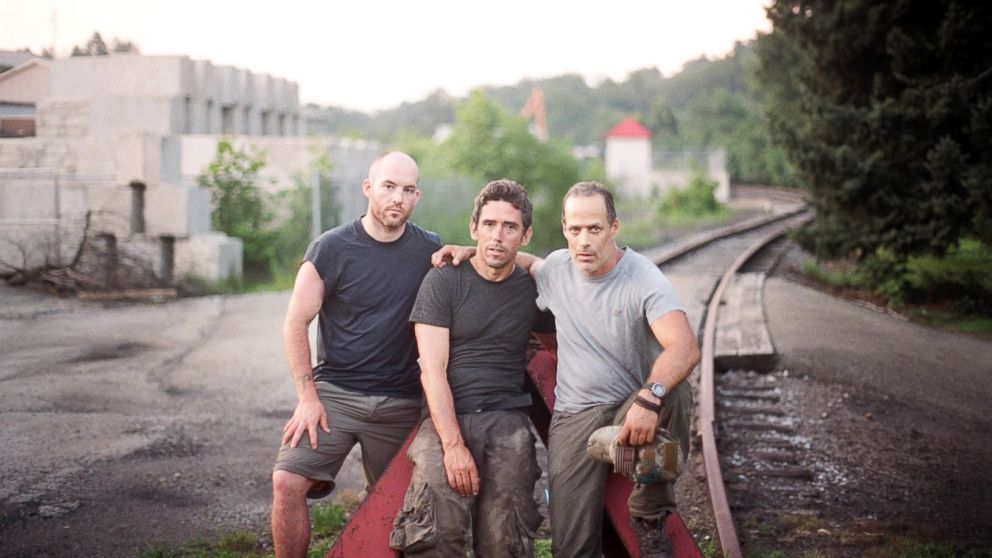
point(373, 54)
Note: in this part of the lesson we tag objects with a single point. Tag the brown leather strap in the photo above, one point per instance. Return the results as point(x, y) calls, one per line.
point(641, 402)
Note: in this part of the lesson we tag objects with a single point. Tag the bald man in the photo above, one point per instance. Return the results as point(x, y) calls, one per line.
point(360, 280)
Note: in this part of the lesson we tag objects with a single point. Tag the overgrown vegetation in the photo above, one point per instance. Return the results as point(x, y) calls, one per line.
point(695, 201)
point(952, 291)
point(274, 228)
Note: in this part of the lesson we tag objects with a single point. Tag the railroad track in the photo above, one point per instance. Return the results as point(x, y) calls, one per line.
point(756, 434)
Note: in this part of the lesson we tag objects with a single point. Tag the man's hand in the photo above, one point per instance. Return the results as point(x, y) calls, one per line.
point(453, 254)
point(306, 417)
point(638, 427)
point(462, 473)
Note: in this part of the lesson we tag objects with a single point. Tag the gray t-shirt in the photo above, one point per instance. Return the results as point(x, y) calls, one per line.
point(489, 327)
point(605, 344)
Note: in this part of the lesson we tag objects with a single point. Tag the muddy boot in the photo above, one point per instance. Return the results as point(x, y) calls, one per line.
point(660, 461)
point(652, 539)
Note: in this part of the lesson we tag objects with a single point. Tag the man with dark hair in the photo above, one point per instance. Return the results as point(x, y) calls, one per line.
point(361, 279)
point(474, 458)
point(625, 349)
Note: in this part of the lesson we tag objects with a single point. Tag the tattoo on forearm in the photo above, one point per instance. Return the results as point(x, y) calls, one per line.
point(304, 378)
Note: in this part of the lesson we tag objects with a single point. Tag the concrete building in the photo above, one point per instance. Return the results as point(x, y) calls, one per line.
point(123, 138)
point(629, 164)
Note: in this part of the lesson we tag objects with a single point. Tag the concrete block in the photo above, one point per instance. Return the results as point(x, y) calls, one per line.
point(211, 256)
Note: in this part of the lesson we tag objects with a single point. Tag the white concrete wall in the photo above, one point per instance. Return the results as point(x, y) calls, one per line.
point(628, 164)
point(211, 256)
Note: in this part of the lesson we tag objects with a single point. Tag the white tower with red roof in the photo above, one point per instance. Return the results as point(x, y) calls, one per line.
point(628, 157)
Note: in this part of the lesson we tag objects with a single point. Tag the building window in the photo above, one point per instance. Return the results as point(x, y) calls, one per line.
point(227, 119)
point(137, 207)
point(266, 123)
point(246, 130)
point(209, 119)
point(188, 115)
point(282, 123)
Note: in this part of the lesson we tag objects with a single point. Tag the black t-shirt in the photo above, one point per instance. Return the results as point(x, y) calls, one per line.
point(365, 342)
point(489, 327)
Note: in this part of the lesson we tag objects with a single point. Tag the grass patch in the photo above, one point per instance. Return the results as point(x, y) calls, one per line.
point(326, 523)
point(231, 545)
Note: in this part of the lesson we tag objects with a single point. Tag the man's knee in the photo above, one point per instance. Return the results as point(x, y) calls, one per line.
point(286, 484)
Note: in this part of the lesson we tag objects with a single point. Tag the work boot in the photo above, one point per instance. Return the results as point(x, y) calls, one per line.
point(652, 539)
point(657, 462)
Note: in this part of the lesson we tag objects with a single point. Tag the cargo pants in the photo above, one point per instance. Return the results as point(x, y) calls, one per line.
point(578, 483)
point(501, 521)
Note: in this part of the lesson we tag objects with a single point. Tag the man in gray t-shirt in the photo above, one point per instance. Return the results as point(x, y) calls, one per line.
point(474, 458)
point(625, 349)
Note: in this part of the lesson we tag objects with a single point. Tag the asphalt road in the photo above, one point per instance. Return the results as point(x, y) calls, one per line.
point(129, 427)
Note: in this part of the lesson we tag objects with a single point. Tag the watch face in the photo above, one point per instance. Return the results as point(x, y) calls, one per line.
point(658, 390)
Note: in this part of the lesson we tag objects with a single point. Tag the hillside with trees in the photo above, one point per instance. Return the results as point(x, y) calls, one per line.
point(710, 103)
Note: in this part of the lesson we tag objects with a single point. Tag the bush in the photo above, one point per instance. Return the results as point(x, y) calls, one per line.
point(696, 199)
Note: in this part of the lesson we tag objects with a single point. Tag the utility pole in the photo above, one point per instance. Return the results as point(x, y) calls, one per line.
point(315, 227)
point(54, 13)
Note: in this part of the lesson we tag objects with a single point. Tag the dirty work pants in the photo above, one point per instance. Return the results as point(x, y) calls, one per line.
point(578, 482)
point(501, 520)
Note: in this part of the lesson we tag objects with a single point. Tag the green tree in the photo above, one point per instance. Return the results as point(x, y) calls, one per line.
point(240, 207)
point(489, 143)
point(886, 110)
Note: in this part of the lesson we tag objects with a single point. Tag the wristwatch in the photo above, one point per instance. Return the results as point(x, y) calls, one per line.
point(656, 389)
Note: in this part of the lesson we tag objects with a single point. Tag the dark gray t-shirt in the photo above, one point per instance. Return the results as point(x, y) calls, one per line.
point(489, 325)
point(365, 342)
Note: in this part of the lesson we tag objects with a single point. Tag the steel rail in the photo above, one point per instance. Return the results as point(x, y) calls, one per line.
point(707, 404)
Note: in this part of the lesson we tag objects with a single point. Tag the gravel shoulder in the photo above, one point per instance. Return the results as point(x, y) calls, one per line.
point(893, 416)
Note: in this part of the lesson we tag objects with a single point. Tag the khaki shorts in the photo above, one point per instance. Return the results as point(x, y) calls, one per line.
point(378, 423)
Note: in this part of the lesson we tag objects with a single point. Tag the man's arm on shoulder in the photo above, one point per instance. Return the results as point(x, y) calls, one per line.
point(453, 254)
point(672, 367)
point(304, 304)
point(529, 262)
point(432, 343)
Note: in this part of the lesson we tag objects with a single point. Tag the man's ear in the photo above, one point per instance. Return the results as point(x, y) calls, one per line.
point(367, 187)
point(527, 234)
point(473, 229)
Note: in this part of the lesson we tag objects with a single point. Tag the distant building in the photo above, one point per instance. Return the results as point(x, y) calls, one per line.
point(125, 136)
point(630, 165)
point(628, 157)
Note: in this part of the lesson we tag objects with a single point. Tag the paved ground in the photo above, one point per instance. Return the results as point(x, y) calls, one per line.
point(130, 426)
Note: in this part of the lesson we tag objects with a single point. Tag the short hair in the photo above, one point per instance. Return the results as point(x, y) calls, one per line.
point(591, 188)
point(508, 191)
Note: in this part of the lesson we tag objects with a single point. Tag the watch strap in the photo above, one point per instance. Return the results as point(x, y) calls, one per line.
point(641, 402)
